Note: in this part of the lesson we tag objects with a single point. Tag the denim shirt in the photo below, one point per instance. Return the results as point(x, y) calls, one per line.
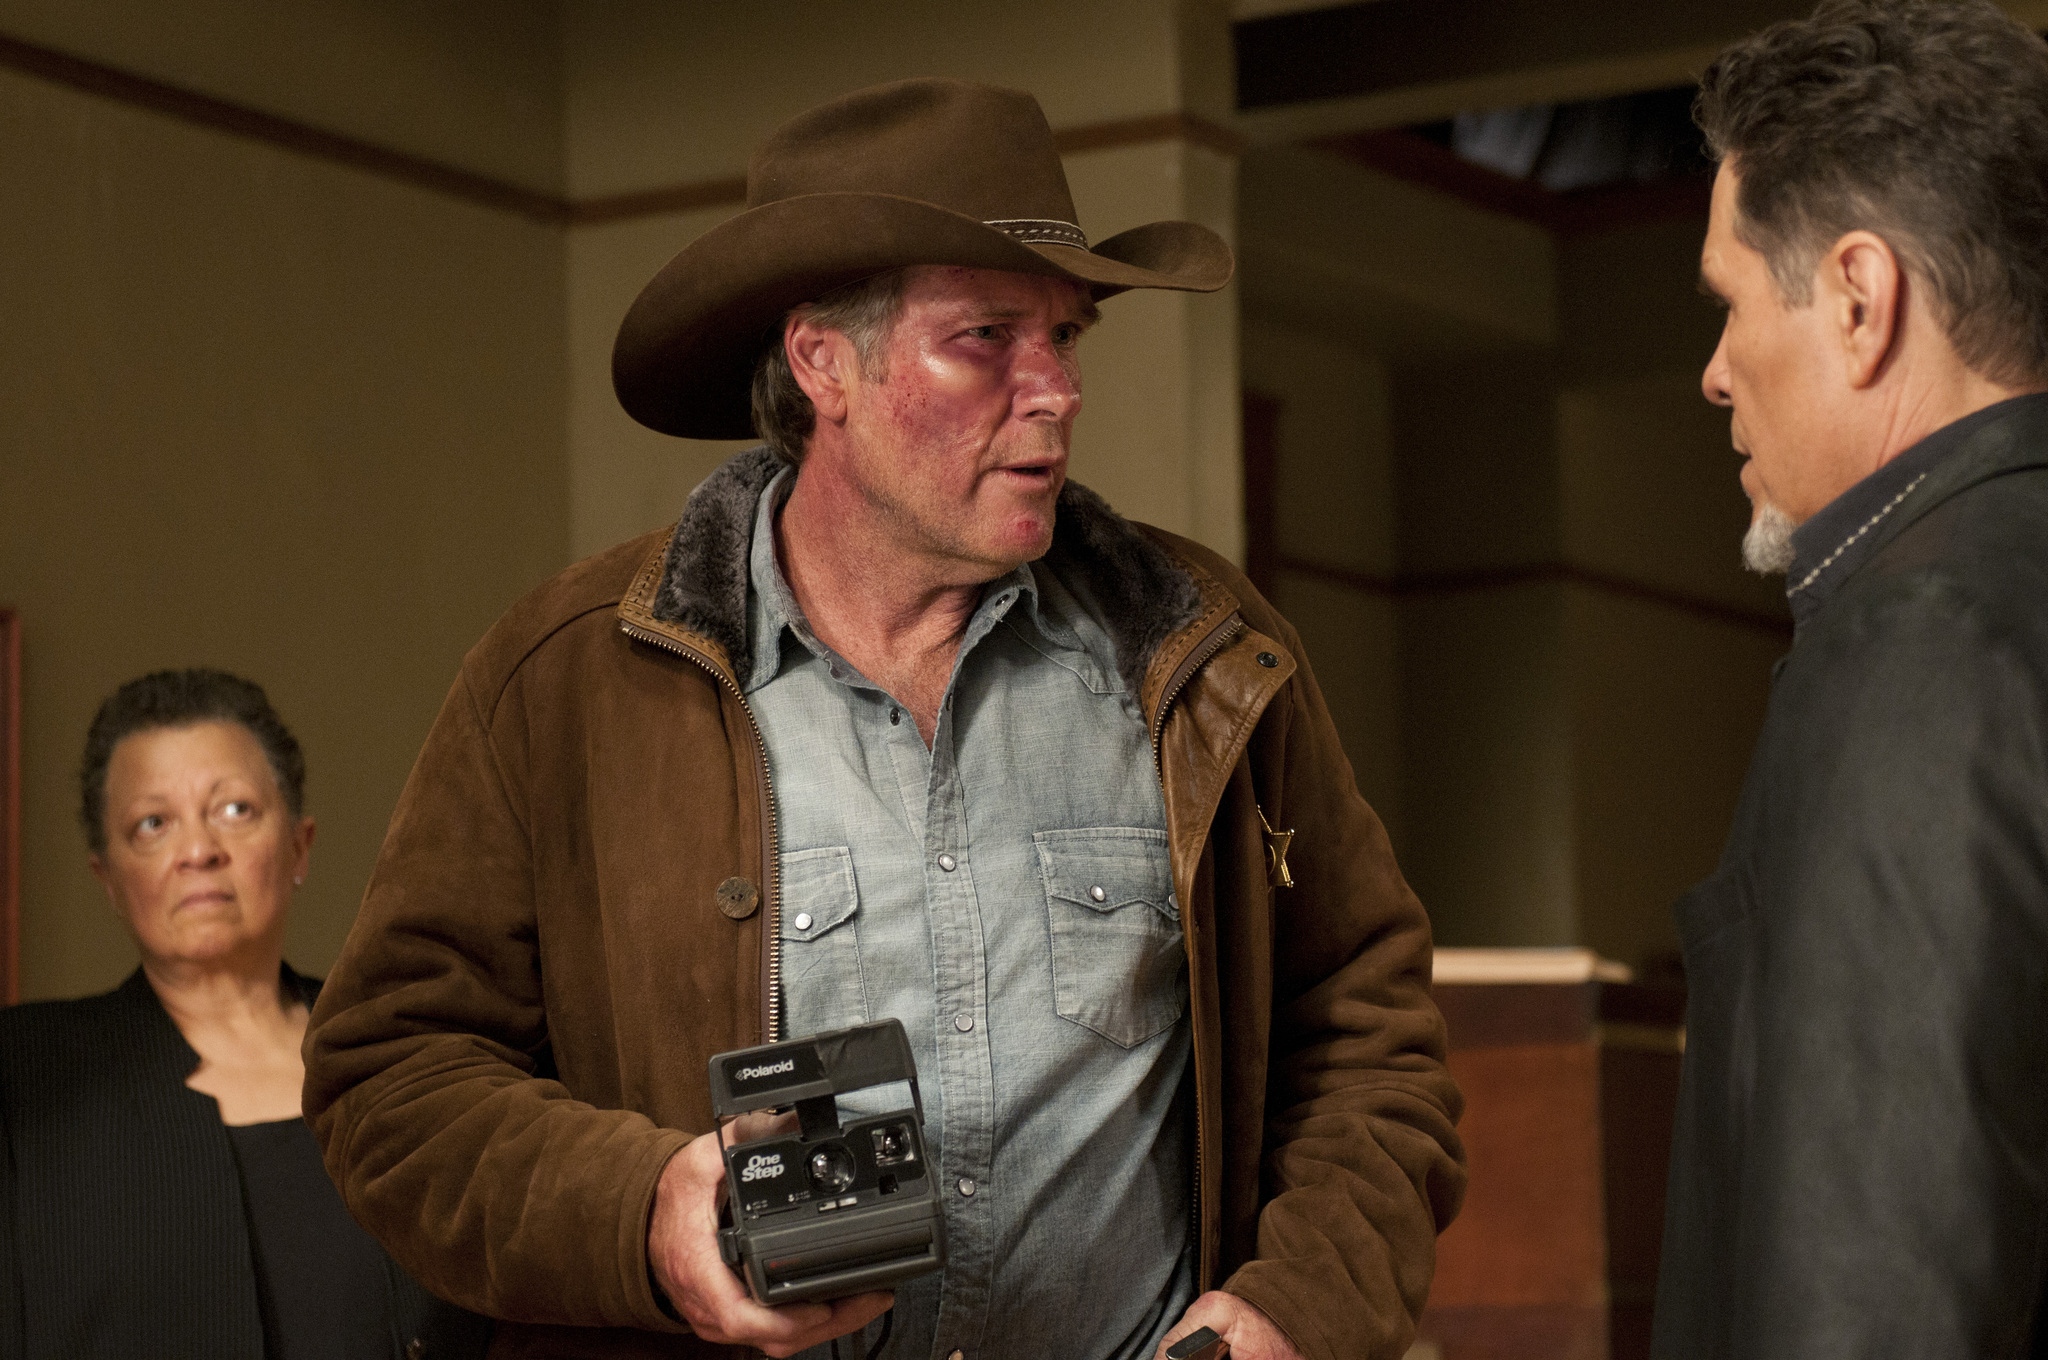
point(1007, 895)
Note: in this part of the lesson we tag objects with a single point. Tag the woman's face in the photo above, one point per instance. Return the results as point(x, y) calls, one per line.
point(202, 852)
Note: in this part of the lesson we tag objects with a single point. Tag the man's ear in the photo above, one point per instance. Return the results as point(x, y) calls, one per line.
point(1864, 289)
point(821, 360)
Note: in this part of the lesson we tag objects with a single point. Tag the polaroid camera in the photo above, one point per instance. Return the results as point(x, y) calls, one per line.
point(827, 1211)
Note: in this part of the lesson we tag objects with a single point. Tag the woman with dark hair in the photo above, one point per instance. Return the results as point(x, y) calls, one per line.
point(161, 1194)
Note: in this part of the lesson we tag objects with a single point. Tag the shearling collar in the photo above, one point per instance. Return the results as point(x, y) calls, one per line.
point(1141, 594)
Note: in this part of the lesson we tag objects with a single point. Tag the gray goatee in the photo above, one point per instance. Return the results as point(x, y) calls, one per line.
point(1767, 547)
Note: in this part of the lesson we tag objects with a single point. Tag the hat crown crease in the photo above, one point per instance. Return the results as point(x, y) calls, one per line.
point(977, 150)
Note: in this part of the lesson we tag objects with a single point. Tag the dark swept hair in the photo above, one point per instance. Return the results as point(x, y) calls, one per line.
point(865, 311)
point(180, 699)
point(1926, 123)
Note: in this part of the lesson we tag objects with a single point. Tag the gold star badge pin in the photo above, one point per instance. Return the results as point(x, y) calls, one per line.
point(1277, 843)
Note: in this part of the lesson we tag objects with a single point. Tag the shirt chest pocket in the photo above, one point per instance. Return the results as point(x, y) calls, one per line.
point(1119, 966)
point(822, 986)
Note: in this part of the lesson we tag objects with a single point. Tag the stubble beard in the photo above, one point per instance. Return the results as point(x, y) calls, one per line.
point(1767, 547)
point(958, 541)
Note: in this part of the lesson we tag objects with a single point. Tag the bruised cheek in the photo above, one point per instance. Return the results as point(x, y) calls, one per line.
point(950, 405)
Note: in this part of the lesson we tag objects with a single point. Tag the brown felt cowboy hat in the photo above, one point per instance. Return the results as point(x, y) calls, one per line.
point(916, 172)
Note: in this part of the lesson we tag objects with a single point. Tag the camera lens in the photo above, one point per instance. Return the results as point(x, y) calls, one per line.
point(832, 1168)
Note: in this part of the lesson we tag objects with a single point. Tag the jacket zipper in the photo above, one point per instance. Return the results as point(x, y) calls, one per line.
point(771, 865)
point(1218, 638)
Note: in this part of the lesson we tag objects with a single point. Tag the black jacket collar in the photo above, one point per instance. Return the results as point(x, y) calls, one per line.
point(160, 1044)
point(1856, 525)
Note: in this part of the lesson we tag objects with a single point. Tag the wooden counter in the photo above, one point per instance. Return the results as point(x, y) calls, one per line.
point(1570, 1087)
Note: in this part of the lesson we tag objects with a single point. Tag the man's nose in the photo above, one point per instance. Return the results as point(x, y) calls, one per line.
point(1049, 381)
point(1714, 381)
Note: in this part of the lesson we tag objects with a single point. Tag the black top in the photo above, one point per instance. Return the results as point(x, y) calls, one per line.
point(1860, 1163)
point(122, 1226)
point(320, 1283)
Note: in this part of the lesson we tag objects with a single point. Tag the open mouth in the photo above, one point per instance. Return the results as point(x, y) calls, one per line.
point(1033, 472)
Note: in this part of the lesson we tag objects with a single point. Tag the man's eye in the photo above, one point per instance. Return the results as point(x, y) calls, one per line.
point(982, 332)
point(1066, 335)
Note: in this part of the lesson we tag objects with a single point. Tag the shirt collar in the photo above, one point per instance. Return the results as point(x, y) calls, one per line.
point(1828, 548)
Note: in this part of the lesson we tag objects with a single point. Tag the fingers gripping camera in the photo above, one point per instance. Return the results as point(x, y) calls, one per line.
point(830, 1210)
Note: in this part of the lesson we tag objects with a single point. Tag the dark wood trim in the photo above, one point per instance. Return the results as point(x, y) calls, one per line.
point(1365, 49)
point(671, 198)
point(1497, 578)
point(1582, 212)
point(10, 807)
point(1157, 127)
point(221, 116)
point(1161, 127)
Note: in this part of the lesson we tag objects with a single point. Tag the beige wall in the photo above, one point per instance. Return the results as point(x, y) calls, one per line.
point(660, 93)
point(624, 479)
point(1517, 571)
point(473, 83)
point(1335, 498)
point(1344, 251)
point(266, 414)
point(1665, 702)
point(1664, 709)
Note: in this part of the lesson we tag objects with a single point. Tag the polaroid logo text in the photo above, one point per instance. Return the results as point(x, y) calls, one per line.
point(771, 1070)
point(761, 1166)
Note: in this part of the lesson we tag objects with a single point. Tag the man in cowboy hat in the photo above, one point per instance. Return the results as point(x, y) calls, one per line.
point(896, 721)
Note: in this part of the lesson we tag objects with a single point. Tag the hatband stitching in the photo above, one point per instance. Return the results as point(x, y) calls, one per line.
point(1048, 229)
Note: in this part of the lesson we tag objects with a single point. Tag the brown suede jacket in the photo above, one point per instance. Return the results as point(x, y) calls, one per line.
point(577, 905)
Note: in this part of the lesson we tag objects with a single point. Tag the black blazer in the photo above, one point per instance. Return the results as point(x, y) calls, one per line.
point(122, 1229)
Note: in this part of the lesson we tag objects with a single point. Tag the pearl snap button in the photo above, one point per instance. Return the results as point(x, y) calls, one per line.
point(967, 1186)
point(803, 920)
point(963, 1023)
point(1096, 894)
point(948, 863)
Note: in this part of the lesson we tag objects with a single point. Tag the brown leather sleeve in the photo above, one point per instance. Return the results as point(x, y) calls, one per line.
point(1363, 1165)
point(427, 1062)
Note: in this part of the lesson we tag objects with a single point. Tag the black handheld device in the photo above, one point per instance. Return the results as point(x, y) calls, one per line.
point(1201, 1344)
point(827, 1211)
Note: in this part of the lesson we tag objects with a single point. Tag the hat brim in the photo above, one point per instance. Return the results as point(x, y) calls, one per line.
point(684, 360)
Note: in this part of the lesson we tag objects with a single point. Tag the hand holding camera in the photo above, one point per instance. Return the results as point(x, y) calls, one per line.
point(682, 1253)
point(822, 1214)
